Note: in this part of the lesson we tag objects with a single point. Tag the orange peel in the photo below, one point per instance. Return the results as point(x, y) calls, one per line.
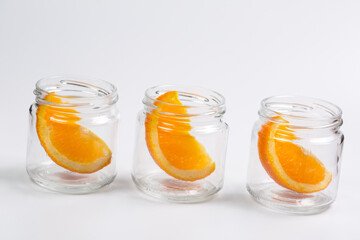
point(171, 145)
point(287, 163)
point(67, 143)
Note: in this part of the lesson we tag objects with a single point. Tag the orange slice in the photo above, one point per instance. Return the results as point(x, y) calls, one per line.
point(170, 144)
point(68, 144)
point(288, 164)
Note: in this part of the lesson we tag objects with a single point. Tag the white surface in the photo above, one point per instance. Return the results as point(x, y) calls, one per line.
point(246, 50)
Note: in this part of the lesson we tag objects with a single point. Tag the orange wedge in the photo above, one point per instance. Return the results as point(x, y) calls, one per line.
point(68, 144)
point(288, 164)
point(170, 144)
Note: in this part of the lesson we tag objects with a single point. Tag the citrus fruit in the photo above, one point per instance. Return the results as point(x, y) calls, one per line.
point(171, 145)
point(68, 144)
point(287, 163)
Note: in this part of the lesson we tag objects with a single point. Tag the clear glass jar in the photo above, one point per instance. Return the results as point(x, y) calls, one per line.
point(295, 154)
point(181, 147)
point(73, 133)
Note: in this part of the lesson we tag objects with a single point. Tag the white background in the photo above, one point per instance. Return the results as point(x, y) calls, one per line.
point(246, 50)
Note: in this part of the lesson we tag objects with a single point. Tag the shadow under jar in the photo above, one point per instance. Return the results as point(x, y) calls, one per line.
point(73, 134)
point(181, 143)
point(295, 154)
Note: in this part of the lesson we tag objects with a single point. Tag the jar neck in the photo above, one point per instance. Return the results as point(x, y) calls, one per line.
point(301, 112)
point(75, 92)
point(198, 104)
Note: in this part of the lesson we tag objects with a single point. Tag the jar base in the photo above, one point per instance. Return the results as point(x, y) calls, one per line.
point(162, 186)
point(55, 178)
point(278, 198)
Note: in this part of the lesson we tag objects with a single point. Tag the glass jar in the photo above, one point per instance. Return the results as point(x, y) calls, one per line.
point(73, 134)
point(181, 145)
point(295, 154)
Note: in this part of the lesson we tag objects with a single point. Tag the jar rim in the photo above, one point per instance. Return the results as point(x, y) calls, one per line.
point(320, 113)
point(220, 99)
point(97, 89)
point(205, 101)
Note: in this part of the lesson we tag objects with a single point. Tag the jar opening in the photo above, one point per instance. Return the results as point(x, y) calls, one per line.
point(196, 100)
point(76, 91)
point(302, 112)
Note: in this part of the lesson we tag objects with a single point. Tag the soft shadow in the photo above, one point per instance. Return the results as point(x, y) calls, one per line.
point(121, 183)
point(237, 197)
point(16, 179)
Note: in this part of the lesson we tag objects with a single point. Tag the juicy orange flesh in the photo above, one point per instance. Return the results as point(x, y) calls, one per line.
point(180, 148)
point(173, 148)
point(170, 104)
point(66, 138)
point(74, 142)
point(298, 164)
point(173, 103)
